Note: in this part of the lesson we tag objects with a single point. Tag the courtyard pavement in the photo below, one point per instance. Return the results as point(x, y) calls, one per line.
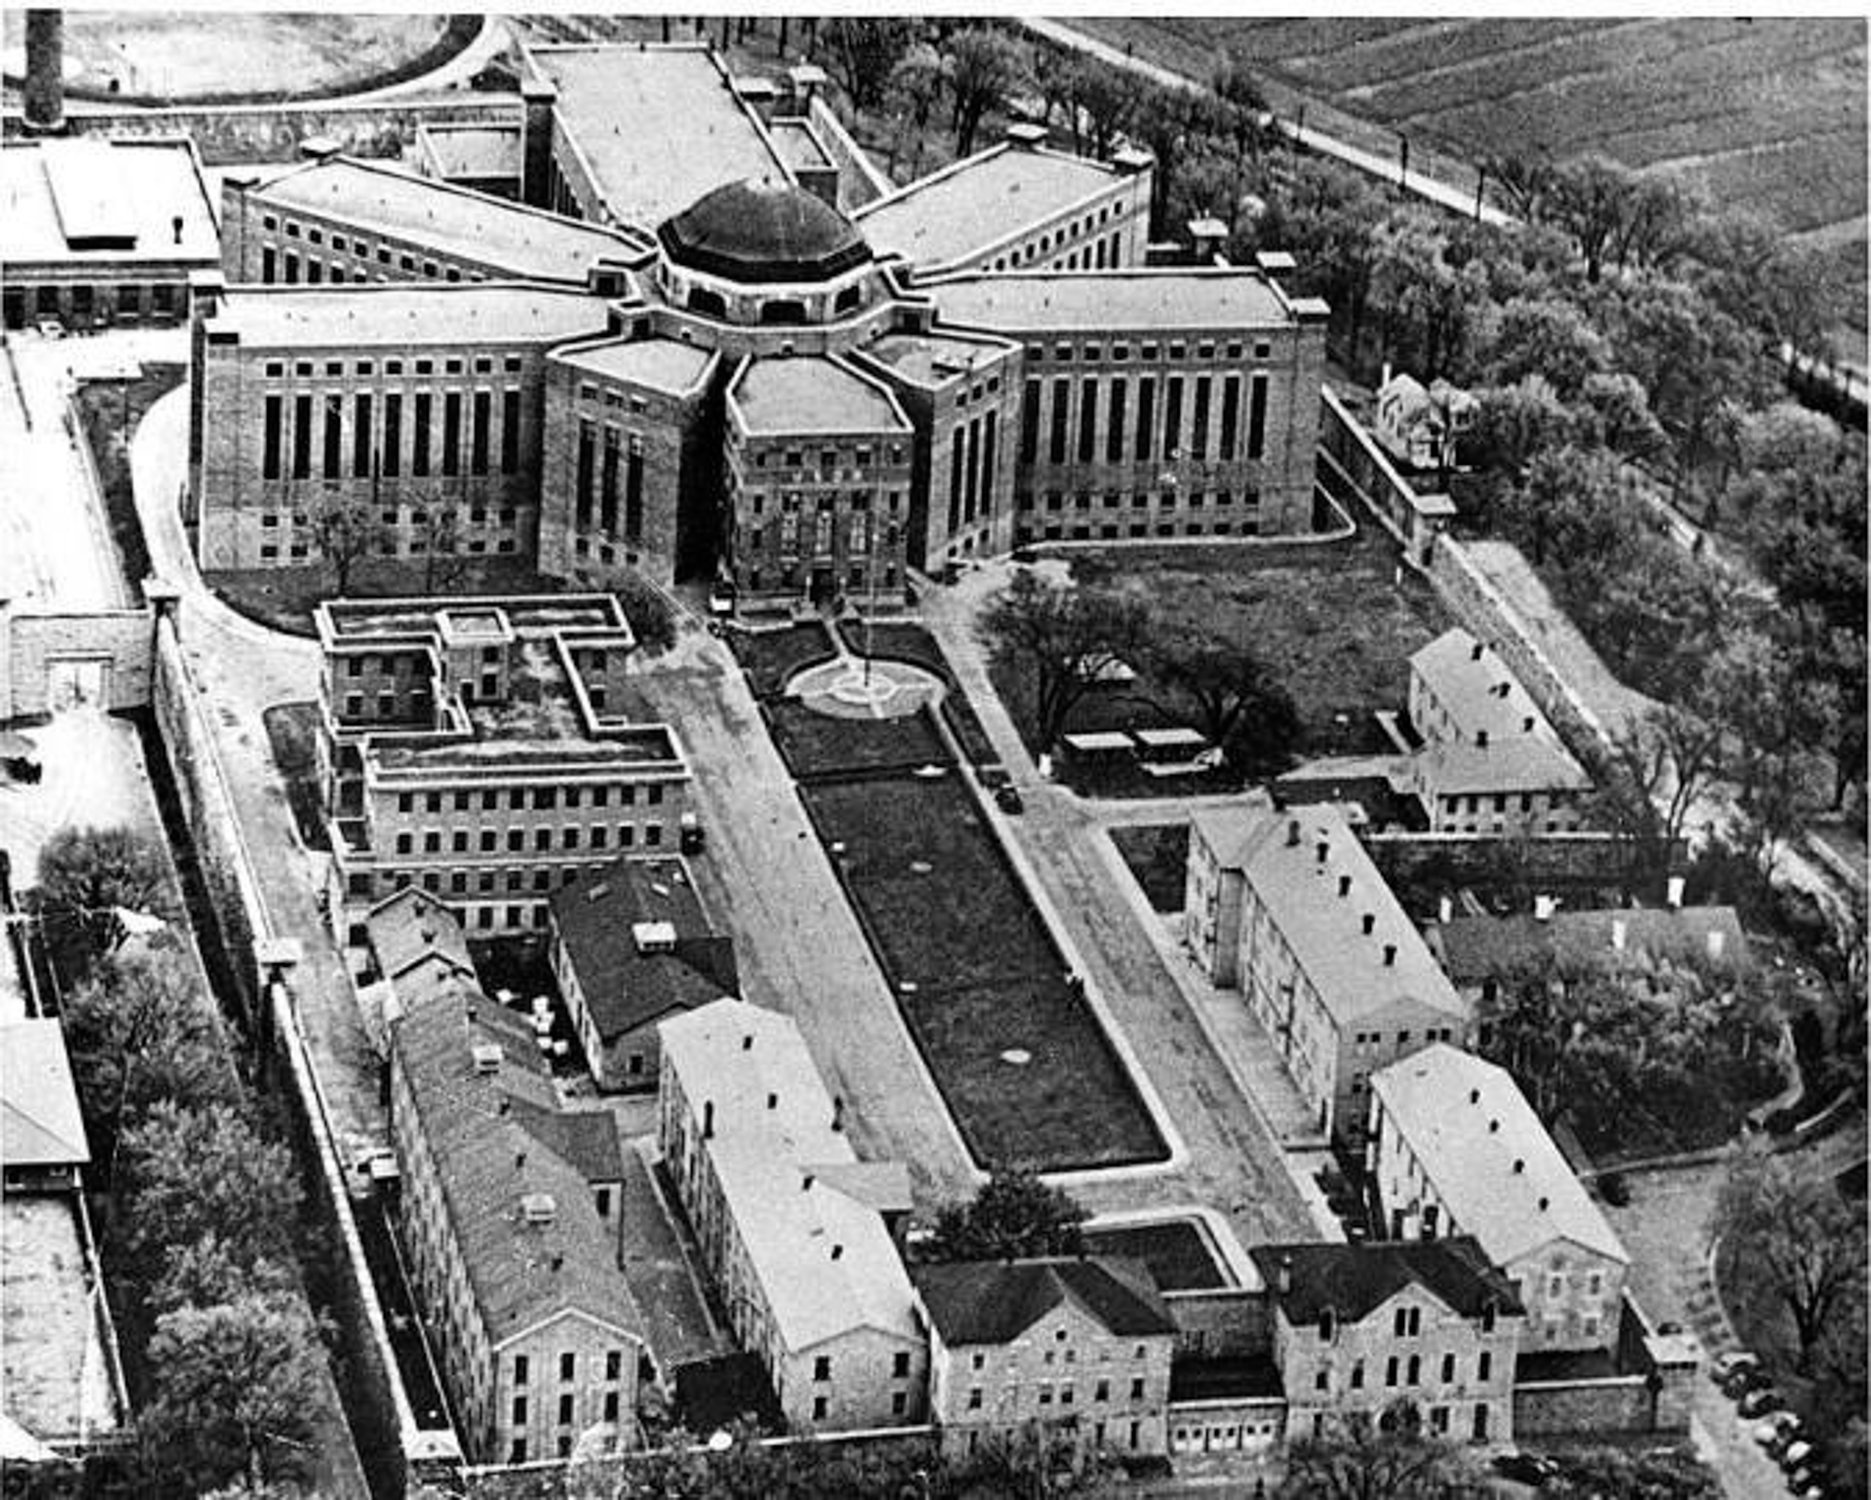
point(1234, 1161)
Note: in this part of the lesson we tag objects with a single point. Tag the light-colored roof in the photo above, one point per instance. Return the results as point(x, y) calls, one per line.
point(40, 1123)
point(407, 314)
point(658, 126)
point(823, 1258)
point(118, 199)
point(1447, 1103)
point(1482, 696)
point(933, 359)
point(56, 1372)
point(1201, 301)
point(970, 206)
point(813, 395)
point(660, 364)
point(512, 239)
point(1278, 853)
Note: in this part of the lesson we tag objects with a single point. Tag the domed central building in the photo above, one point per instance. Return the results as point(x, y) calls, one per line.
point(757, 411)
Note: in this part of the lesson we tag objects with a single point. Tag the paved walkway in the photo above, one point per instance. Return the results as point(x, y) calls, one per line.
point(1234, 1163)
point(240, 669)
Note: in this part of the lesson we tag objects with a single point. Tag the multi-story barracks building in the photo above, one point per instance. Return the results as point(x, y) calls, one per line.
point(756, 395)
point(478, 748)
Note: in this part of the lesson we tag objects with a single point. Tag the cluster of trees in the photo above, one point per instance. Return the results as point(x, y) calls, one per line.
point(1060, 639)
point(202, 1208)
point(1669, 1048)
point(1013, 1214)
point(1794, 1256)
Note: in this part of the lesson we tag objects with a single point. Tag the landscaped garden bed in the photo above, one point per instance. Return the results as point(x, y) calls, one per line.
point(1158, 857)
point(1023, 1063)
point(771, 657)
point(1177, 1251)
point(816, 746)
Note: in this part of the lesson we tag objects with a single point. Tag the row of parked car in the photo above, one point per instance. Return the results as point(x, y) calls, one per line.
point(1778, 1430)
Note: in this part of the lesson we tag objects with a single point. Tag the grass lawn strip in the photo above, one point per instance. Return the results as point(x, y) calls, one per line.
point(770, 657)
point(1176, 1250)
point(816, 746)
point(946, 912)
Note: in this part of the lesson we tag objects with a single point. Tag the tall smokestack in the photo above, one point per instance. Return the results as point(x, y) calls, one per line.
point(45, 72)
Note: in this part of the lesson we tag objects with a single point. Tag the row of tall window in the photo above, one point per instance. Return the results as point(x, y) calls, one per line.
point(971, 470)
point(597, 480)
point(1121, 438)
point(309, 431)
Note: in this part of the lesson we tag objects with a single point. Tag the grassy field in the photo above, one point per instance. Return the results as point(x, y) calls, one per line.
point(1333, 622)
point(771, 657)
point(1023, 1064)
point(1767, 115)
point(185, 55)
point(815, 745)
point(284, 598)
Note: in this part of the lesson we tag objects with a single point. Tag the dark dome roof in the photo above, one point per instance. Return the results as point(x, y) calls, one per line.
point(759, 231)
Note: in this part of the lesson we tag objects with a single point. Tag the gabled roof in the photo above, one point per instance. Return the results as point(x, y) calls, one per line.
point(1485, 1152)
point(1483, 696)
point(625, 986)
point(1278, 853)
point(412, 926)
point(40, 1123)
point(1352, 1281)
point(490, 1160)
point(995, 1301)
point(1473, 949)
point(815, 1240)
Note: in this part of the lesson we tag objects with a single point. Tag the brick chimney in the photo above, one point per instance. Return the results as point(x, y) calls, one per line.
point(45, 72)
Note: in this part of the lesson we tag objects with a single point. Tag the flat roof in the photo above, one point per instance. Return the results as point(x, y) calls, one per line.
point(811, 395)
point(932, 359)
point(407, 313)
point(86, 200)
point(662, 364)
point(40, 1122)
point(520, 241)
point(972, 205)
point(1207, 300)
point(798, 143)
point(658, 126)
point(55, 1366)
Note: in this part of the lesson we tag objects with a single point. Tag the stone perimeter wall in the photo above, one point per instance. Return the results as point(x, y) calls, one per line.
point(229, 134)
point(376, 1404)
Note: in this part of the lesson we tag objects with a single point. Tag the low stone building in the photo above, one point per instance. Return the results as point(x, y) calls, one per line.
point(1455, 1149)
point(1490, 761)
point(1358, 1328)
point(631, 946)
point(797, 1233)
point(1077, 1346)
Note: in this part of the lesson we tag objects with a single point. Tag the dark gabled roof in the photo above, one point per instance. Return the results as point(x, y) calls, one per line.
point(489, 1163)
point(1474, 949)
point(586, 1138)
point(763, 232)
point(596, 918)
point(1352, 1280)
point(994, 1301)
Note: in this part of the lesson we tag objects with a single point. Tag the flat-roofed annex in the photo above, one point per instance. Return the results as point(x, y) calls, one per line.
point(519, 241)
point(388, 314)
point(1200, 300)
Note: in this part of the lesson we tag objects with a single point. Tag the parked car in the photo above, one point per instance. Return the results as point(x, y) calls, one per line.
point(1008, 799)
point(1614, 1189)
point(1725, 1365)
point(1528, 1468)
point(1759, 1401)
point(1777, 1431)
point(1795, 1455)
point(1747, 1378)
